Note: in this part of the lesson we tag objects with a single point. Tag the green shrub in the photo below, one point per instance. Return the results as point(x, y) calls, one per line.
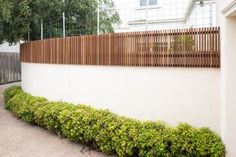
point(47, 115)
point(110, 133)
point(24, 106)
point(9, 93)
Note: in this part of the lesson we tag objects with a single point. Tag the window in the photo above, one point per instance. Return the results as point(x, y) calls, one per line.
point(143, 2)
point(150, 2)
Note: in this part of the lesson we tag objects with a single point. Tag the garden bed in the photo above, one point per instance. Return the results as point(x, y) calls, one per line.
point(110, 133)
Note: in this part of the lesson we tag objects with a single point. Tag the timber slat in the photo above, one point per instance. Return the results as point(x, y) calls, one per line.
point(192, 47)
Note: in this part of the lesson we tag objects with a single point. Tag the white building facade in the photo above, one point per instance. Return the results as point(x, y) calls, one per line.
point(226, 18)
point(141, 15)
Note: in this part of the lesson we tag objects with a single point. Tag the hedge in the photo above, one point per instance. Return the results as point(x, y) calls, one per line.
point(113, 134)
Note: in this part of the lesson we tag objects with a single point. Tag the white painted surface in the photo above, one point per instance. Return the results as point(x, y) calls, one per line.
point(167, 14)
point(5, 47)
point(170, 94)
point(228, 76)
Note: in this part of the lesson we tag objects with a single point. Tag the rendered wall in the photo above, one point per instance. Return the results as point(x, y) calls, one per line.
point(228, 74)
point(170, 94)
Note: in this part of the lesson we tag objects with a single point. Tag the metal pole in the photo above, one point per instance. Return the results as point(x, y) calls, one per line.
point(28, 32)
point(41, 29)
point(98, 17)
point(146, 15)
point(211, 14)
point(64, 23)
point(28, 35)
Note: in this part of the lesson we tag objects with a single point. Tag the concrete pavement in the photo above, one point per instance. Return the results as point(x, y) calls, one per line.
point(20, 139)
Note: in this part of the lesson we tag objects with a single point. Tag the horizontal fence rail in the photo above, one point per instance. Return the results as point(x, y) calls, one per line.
point(10, 69)
point(193, 47)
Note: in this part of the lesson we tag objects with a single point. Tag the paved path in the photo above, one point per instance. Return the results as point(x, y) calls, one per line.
point(20, 139)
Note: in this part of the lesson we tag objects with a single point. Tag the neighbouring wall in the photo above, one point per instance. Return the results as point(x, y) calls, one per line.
point(5, 47)
point(148, 93)
point(227, 21)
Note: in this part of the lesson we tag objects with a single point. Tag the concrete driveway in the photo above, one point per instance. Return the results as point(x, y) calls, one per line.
point(20, 139)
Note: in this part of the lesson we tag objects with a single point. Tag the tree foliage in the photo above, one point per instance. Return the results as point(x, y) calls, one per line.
point(20, 20)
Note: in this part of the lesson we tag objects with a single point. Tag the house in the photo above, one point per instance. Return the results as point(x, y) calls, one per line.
point(165, 14)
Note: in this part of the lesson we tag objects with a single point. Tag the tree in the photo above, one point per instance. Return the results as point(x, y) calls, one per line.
point(13, 20)
point(182, 42)
point(20, 20)
point(83, 13)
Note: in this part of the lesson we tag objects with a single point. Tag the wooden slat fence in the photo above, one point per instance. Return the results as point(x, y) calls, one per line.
point(193, 47)
point(10, 69)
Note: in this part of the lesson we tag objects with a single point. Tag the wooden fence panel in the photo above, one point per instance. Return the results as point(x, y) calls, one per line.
point(10, 70)
point(193, 47)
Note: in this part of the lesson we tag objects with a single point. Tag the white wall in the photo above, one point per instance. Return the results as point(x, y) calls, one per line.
point(228, 75)
point(171, 94)
point(5, 47)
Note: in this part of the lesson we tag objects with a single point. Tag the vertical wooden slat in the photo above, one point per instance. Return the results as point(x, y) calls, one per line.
point(153, 48)
point(10, 67)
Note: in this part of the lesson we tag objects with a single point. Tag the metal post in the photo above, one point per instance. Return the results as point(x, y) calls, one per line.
point(98, 17)
point(64, 23)
point(211, 14)
point(41, 29)
point(28, 35)
point(28, 32)
point(146, 15)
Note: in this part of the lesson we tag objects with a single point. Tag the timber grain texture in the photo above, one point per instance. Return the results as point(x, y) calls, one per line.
point(192, 47)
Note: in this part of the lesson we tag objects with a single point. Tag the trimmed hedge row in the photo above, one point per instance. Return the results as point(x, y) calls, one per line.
point(110, 133)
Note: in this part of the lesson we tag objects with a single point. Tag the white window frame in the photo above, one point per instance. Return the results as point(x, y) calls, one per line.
point(142, 7)
point(152, 4)
point(148, 3)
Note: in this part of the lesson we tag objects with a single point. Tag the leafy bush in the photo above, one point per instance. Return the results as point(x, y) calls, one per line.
point(110, 133)
point(11, 92)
